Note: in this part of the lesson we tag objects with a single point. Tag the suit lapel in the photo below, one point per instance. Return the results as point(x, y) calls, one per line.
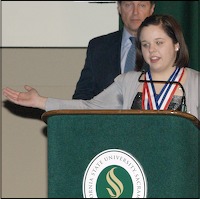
point(115, 54)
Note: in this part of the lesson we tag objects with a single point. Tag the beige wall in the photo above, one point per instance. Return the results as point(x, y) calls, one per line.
point(54, 73)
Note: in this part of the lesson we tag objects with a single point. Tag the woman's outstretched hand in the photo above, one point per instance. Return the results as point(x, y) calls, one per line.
point(30, 98)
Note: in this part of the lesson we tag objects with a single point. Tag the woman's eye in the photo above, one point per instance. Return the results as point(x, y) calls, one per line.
point(159, 42)
point(145, 45)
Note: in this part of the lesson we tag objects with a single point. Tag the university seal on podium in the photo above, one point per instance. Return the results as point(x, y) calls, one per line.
point(114, 173)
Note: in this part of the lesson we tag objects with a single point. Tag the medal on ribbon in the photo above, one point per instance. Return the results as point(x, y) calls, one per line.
point(161, 101)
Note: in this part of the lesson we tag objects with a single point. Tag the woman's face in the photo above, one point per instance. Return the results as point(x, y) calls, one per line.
point(158, 49)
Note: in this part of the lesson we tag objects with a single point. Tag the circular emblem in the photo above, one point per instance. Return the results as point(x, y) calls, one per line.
point(114, 173)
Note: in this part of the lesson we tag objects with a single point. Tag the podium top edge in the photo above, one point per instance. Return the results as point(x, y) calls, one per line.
point(188, 116)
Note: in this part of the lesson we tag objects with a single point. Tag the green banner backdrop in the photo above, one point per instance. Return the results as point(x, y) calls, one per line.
point(186, 13)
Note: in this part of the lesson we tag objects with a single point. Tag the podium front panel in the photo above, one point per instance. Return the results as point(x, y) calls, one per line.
point(166, 146)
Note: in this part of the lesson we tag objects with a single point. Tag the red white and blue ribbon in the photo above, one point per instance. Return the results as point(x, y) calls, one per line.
point(152, 101)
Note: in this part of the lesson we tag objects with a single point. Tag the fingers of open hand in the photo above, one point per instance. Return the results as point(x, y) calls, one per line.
point(28, 88)
point(15, 96)
point(11, 94)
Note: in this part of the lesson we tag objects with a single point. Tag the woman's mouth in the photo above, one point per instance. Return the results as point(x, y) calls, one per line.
point(154, 59)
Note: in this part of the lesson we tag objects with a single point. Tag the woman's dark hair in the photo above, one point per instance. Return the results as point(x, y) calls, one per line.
point(173, 30)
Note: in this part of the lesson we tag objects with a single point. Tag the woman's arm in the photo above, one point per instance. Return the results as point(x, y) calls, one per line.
point(110, 98)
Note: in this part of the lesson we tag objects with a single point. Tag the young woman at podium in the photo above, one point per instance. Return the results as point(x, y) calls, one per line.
point(168, 83)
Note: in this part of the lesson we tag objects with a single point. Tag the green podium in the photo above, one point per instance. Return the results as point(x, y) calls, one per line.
point(122, 154)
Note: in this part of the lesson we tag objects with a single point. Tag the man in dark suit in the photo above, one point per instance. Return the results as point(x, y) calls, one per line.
point(106, 54)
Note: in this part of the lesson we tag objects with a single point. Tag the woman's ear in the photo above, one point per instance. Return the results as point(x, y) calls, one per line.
point(177, 47)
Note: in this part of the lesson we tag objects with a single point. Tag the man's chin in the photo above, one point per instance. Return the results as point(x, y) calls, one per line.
point(135, 27)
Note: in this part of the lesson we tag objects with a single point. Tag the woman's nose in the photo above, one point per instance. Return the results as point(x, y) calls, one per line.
point(152, 48)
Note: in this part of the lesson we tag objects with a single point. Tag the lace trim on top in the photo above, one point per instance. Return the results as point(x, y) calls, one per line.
point(175, 103)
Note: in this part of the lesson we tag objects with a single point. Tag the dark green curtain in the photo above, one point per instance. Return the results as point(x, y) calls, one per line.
point(186, 13)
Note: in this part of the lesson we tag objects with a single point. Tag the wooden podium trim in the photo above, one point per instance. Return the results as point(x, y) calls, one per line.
point(188, 116)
